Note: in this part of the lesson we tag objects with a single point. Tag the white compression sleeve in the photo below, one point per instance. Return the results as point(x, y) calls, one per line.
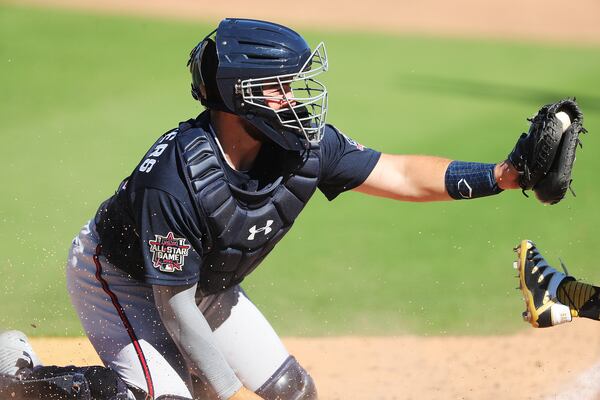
point(193, 336)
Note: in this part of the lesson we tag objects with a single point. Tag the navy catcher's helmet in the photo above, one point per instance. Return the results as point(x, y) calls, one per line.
point(231, 68)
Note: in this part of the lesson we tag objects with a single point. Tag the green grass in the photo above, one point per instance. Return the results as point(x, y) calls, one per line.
point(83, 96)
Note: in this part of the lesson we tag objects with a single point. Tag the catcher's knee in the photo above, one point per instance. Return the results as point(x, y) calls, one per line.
point(64, 383)
point(290, 381)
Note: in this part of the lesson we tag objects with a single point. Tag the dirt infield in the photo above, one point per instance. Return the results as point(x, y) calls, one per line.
point(557, 363)
point(547, 20)
point(548, 364)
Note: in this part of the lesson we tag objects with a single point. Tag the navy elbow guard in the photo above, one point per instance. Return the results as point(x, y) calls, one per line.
point(469, 180)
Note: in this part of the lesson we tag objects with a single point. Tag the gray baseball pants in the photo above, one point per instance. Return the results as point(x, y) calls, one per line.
point(121, 321)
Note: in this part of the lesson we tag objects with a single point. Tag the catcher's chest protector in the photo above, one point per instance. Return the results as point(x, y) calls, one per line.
point(240, 227)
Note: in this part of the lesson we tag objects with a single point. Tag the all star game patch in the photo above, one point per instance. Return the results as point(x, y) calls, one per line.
point(168, 252)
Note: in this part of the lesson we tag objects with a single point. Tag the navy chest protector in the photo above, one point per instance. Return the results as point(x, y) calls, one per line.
point(241, 227)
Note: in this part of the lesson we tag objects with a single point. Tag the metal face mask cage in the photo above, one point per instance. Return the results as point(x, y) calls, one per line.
point(304, 99)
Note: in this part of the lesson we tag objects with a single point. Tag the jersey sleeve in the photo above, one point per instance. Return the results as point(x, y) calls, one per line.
point(169, 238)
point(345, 163)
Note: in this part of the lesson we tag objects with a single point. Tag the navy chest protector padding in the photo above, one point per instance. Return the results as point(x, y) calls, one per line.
point(241, 227)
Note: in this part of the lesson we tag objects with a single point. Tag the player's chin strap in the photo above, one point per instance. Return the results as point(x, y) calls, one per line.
point(63, 383)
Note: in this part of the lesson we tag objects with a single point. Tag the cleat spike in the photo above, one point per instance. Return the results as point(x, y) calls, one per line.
point(515, 265)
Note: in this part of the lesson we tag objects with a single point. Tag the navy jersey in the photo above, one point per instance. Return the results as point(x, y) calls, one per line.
point(153, 229)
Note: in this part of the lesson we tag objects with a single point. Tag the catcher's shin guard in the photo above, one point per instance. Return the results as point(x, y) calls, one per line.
point(63, 383)
point(538, 282)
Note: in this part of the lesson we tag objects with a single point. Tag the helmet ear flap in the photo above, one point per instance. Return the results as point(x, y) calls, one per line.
point(195, 93)
point(193, 64)
point(203, 64)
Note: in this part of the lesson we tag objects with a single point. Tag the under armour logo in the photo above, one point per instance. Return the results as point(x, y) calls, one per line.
point(266, 229)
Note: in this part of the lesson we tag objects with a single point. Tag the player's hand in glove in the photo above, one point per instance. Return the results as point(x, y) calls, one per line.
point(544, 156)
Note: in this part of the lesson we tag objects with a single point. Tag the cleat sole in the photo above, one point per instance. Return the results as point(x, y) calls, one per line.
point(528, 315)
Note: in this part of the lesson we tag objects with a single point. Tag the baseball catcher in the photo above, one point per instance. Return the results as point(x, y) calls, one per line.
point(155, 275)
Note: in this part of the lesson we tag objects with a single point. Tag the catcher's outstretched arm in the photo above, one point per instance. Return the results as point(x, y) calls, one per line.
point(421, 178)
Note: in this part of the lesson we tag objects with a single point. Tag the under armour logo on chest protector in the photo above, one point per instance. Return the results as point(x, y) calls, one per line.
point(266, 229)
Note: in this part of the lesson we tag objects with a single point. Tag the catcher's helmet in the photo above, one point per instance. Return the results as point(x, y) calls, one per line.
point(233, 64)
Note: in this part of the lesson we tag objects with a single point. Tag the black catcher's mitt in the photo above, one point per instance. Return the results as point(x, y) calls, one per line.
point(544, 156)
point(553, 186)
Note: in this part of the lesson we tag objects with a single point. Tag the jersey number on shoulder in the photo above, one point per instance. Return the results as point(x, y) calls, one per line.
point(148, 163)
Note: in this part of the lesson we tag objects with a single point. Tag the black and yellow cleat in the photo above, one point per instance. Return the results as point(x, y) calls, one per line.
point(538, 282)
